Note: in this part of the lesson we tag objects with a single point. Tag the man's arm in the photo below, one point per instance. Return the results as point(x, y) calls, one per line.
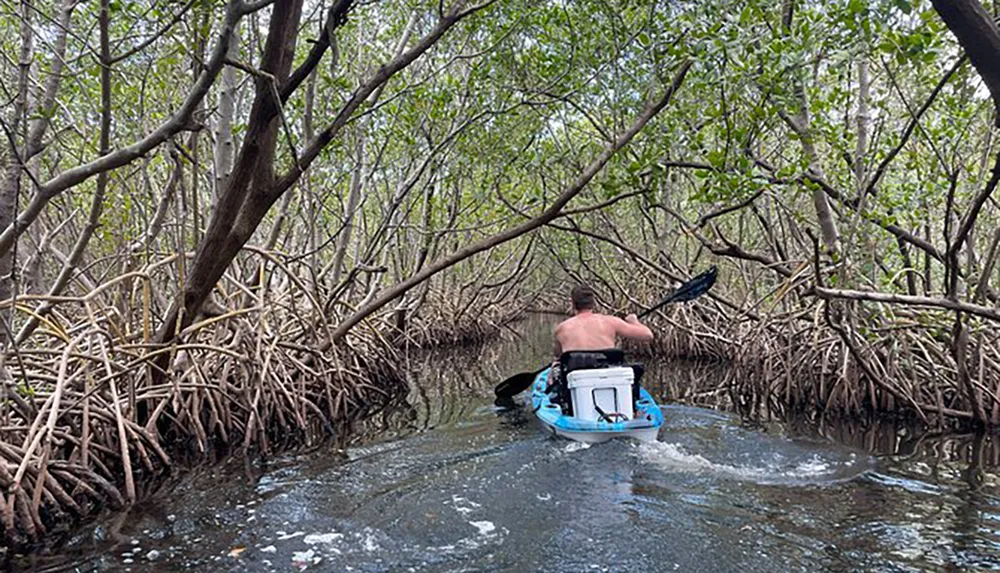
point(632, 328)
point(556, 345)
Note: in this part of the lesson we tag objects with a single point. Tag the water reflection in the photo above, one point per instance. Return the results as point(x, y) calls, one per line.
point(933, 501)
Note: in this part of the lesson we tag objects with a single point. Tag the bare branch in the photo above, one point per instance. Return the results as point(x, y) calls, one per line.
point(159, 33)
point(179, 121)
point(907, 300)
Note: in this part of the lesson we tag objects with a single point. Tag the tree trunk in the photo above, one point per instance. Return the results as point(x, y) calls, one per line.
point(11, 185)
point(97, 201)
point(199, 39)
point(44, 106)
point(162, 208)
point(801, 125)
point(314, 204)
point(862, 119)
point(979, 36)
point(354, 195)
point(911, 273)
point(253, 189)
point(225, 146)
point(255, 167)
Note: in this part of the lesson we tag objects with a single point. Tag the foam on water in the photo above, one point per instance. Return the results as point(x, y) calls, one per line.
point(484, 527)
point(675, 459)
point(911, 485)
point(314, 538)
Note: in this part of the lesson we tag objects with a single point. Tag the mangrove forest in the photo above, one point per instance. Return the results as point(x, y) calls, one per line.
point(231, 228)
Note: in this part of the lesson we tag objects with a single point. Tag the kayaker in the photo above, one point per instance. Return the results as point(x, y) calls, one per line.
point(589, 339)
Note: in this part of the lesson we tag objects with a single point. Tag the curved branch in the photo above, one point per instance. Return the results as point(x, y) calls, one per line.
point(726, 210)
point(911, 125)
point(335, 17)
point(977, 204)
point(179, 121)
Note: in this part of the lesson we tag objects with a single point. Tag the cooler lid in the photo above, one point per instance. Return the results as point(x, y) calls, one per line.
point(616, 376)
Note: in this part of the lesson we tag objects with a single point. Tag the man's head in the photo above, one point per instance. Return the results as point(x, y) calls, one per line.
point(583, 298)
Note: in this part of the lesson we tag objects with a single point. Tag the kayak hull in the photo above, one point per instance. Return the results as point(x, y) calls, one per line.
point(644, 427)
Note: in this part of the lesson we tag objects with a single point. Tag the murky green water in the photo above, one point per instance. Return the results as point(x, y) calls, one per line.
point(448, 483)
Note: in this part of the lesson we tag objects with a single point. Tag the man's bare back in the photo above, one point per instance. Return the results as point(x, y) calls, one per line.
point(591, 331)
point(588, 330)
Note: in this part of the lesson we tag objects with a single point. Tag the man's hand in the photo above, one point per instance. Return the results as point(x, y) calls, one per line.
point(632, 328)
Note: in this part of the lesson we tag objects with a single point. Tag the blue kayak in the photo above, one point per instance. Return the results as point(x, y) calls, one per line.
point(643, 427)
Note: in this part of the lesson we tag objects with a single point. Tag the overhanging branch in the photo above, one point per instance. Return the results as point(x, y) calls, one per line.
point(907, 300)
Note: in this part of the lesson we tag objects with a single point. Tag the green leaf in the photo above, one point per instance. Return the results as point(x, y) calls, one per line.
point(717, 158)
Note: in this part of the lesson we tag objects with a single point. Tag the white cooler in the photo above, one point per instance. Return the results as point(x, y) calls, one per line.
point(609, 388)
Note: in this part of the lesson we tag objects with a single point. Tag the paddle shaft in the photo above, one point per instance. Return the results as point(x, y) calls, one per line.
point(669, 299)
point(653, 309)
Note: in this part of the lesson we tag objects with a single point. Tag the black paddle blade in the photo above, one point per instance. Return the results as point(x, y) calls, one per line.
point(690, 290)
point(515, 384)
point(505, 403)
point(695, 287)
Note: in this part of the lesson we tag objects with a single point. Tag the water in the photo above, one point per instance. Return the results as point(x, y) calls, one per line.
point(448, 483)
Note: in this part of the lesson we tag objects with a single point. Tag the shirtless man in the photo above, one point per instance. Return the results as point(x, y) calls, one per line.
point(588, 330)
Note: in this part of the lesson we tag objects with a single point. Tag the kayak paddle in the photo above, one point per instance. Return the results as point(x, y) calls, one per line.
point(690, 290)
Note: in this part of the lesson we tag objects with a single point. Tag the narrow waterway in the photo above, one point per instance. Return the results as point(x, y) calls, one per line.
point(446, 482)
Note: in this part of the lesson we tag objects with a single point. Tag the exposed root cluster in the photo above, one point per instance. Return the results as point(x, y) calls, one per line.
point(844, 360)
point(897, 363)
point(88, 418)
